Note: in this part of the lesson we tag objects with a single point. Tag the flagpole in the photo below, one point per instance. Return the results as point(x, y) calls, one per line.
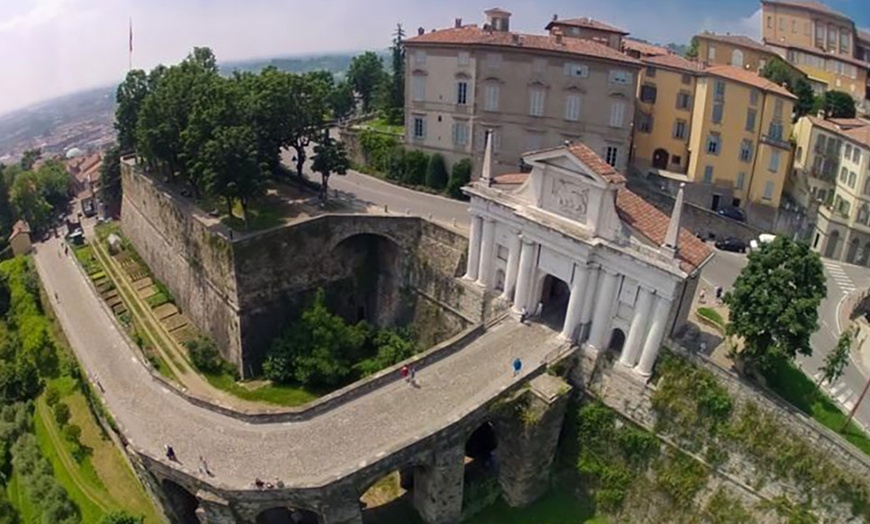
point(130, 51)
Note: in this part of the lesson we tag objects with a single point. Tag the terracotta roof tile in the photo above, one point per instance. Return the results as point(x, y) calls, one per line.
point(473, 35)
point(816, 7)
point(749, 78)
point(587, 23)
point(596, 163)
point(644, 48)
point(828, 125)
point(653, 224)
point(511, 178)
point(849, 123)
point(860, 135)
point(673, 62)
point(818, 52)
point(737, 40)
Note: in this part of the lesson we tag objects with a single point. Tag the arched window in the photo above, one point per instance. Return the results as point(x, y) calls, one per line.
point(737, 58)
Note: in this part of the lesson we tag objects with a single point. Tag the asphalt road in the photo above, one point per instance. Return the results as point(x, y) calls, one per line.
point(842, 279)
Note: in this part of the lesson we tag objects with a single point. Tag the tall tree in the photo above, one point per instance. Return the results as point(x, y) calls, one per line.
point(54, 184)
point(5, 207)
point(130, 95)
point(28, 201)
point(836, 361)
point(692, 50)
point(341, 100)
point(110, 181)
point(366, 74)
point(806, 98)
point(29, 158)
point(330, 158)
point(308, 120)
point(268, 106)
point(774, 303)
point(231, 168)
point(781, 73)
point(395, 111)
point(838, 104)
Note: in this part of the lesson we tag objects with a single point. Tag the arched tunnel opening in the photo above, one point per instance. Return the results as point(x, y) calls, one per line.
point(481, 466)
point(182, 503)
point(287, 515)
point(391, 498)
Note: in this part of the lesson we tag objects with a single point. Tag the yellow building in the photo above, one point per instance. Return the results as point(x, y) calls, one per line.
point(816, 162)
point(739, 153)
point(733, 50)
point(666, 88)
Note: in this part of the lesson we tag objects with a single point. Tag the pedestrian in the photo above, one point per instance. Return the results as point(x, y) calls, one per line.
point(56, 298)
point(405, 372)
point(170, 453)
point(203, 467)
point(413, 375)
point(702, 297)
point(524, 313)
point(517, 365)
point(100, 386)
point(718, 294)
point(539, 309)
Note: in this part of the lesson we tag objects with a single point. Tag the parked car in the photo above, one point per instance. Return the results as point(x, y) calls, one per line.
point(734, 213)
point(764, 238)
point(731, 244)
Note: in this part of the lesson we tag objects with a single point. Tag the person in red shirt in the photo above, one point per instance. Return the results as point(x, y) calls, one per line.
point(405, 373)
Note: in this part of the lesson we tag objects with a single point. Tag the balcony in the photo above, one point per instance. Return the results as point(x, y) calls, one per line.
point(775, 142)
point(818, 174)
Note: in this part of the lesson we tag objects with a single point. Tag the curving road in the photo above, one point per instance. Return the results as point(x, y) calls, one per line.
point(302, 454)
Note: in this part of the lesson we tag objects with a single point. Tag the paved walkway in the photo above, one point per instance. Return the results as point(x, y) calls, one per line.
point(300, 453)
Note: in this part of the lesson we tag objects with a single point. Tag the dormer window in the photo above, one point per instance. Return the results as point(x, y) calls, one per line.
point(620, 77)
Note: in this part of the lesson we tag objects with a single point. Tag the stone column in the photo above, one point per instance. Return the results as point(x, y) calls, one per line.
point(513, 266)
point(438, 488)
point(575, 303)
point(524, 277)
point(473, 248)
point(341, 506)
point(214, 509)
point(603, 310)
point(588, 301)
point(486, 247)
point(637, 330)
point(527, 445)
point(654, 337)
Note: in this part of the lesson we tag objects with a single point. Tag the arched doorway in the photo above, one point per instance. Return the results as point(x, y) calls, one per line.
point(182, 503)
point(499, 280)
point(737, 58)
point(865, 255)
point(660, 159)
point(831, 246)
point(852, 254)
point(481, 465)
point(390, 498)
point(285, 515)
point(617, 341)
point(554, 301)
point(369, 271)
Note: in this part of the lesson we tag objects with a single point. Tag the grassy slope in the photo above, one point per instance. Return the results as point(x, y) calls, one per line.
point(558, 506)
point(27, 512)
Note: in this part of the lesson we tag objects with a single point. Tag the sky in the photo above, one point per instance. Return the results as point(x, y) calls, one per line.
point(54, 47)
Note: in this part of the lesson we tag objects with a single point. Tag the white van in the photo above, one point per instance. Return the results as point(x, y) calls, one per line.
point(764, 238)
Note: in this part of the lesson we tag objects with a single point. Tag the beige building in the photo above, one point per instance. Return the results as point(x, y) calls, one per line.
point(843, 225)
point(532, 91)
point(818, 147)
point(734, 50)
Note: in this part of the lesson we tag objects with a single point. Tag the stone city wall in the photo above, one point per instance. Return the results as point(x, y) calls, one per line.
point(194, 263)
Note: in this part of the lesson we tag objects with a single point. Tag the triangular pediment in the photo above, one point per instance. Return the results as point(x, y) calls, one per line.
point(563, 162)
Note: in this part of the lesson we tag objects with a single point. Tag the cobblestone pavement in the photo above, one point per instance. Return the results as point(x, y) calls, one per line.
point(300, 453)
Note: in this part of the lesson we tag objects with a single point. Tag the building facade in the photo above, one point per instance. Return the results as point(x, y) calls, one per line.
point(665, 96)
point(531, 91)
point(739, 148)
point(816, 164)
point(734, 50)
point(571, 245)
point(843, 224)
point(822, 43)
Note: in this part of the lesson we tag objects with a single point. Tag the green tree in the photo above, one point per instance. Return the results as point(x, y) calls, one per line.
point(54, 184)
point(341, 101)
point(806, 98)
point(366, 74)
point(230, 167)
point(269, 107)
point(836, 361)
point(395, 106)
point(120, 517)
point(61, 413)
point(393, 346)
point(72, 433)
point(692, 50)
point(307, 120)
point(837, 104)
point(6, 218)
point(777, 71)
point(129, 97)
point(204, 355)
point(781, 73)
point(460, 176)
point(436, 172)
point(774, 303)
point(330, 157)
point(110, 189)
point(29, 158)
point(416, 163)
point(28, 201)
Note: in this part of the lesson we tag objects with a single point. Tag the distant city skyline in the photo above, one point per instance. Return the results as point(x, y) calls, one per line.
point(49, 48)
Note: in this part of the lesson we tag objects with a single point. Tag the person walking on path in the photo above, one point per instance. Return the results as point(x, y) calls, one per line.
point(524, 314)
point(405, 373)
point(517, 366)
point(170, 453)
point(203, 467)
point(413, 376)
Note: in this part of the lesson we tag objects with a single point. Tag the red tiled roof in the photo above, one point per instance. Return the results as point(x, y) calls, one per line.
point(473, 35)
point(653, 224)
point(749, 78)
point(644, 48)
point(587, 23)
point(737, 40)
point(511, 178)
point(849, 123)
point(860, 135)
point(673, 62)
point(816, 7)
point(829, 125)
point(594, 162)
point(818, 52)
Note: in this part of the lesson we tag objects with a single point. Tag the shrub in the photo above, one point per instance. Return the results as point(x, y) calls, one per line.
point(460, 175)
point(120, 517)
point(61, 413)
point(72, 433)
point(51, 396)
point(416, 163)
point(436, 172)
point(204, 355)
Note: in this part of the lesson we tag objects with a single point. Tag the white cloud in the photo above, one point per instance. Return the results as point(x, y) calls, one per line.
point(749, 26)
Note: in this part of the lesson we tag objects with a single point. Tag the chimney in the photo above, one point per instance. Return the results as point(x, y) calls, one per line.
point(457, 23)
point(515, 39)
point(420, 31)
point(558, 34)
point(555, 17)
point(671, 243)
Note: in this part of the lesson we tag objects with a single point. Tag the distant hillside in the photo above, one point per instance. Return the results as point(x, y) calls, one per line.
point(336, 64)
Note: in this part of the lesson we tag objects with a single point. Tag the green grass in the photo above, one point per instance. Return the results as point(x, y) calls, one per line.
point(157, 300)
point(712, 316)
point(558, 506)
point(85, 256)
point(28, 513)
point(280, 395)
point(794, 386)
point(379, 124)
point(261, 215)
